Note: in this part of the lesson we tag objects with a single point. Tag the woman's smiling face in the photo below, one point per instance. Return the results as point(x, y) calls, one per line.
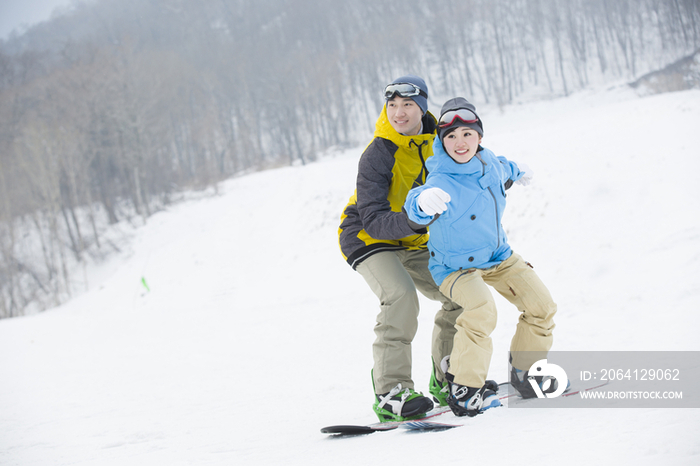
point(462, 143)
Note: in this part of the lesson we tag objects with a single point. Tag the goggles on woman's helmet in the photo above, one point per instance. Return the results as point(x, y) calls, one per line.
point(448, 118)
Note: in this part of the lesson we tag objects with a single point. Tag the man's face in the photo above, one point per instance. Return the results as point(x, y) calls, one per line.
point(404, 115)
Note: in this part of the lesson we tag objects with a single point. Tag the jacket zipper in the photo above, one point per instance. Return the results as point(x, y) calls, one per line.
point(421, 179)
point(495, 202)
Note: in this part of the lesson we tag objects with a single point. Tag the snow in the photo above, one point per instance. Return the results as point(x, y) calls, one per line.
point(255, 333)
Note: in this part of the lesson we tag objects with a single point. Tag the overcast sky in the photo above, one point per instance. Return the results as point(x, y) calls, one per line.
point(18, 14)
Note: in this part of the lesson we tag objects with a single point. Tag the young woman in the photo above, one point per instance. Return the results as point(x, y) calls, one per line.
point(462, 202)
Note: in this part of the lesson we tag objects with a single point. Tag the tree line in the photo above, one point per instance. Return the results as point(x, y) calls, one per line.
point(110, 110)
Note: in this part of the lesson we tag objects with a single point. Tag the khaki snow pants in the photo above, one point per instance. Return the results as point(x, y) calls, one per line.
point(394, 276)
point(515, 280)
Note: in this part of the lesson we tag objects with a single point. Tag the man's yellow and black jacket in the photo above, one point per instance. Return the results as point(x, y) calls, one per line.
point(389, 167)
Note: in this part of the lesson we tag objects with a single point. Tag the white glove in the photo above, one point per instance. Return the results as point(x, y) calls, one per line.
point(433, 201)
point(527, 174)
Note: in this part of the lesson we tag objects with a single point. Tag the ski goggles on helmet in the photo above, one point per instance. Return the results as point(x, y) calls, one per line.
point(448, 118)
point(404, 90)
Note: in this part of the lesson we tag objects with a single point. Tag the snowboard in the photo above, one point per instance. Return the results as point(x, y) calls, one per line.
point(427, 424)
point(511, 396)
point(420, 424)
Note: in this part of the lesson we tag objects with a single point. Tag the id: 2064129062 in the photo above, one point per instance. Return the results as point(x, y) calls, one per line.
point(611, 375)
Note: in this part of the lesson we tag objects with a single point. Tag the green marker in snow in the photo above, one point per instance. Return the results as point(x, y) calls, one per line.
point(145, 285)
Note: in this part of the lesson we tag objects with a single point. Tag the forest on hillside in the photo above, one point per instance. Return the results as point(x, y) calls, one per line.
point(111, 109)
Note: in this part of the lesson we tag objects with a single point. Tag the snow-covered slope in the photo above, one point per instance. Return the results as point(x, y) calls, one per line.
point(255, 333)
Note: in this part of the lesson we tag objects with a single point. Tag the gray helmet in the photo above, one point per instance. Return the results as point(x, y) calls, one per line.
point(450, 117)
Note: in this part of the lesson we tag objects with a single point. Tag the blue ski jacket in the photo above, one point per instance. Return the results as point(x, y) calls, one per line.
point(469, 233)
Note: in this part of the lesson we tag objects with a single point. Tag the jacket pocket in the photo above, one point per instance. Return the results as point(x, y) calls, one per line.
point(460, 235)
point(463, 260)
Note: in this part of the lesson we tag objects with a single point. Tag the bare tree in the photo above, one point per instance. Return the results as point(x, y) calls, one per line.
point(108, 112)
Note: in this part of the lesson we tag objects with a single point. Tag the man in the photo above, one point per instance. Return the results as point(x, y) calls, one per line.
point(390, 252)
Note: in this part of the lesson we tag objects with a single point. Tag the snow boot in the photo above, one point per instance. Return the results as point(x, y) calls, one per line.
point(519, 379)
point(438, 389)
point(470, 401)
point(401, 404)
